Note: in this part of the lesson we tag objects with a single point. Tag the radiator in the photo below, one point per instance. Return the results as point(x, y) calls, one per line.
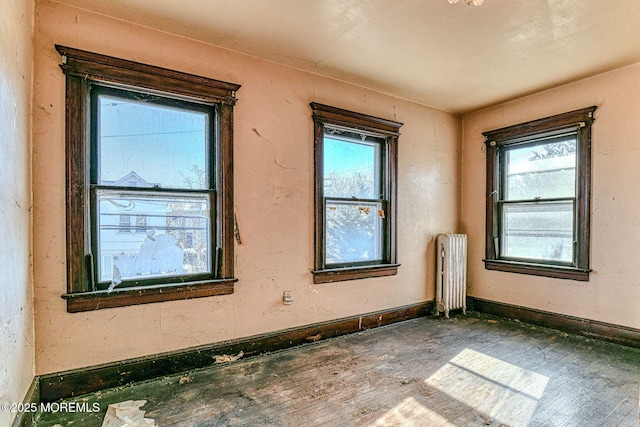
point(451, 277)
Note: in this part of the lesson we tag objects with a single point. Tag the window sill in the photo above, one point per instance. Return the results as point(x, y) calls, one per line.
point(353, 273)
point(543, 270)
point(96, 300)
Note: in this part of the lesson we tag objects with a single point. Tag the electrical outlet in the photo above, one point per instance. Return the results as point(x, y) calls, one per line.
point(287, 297)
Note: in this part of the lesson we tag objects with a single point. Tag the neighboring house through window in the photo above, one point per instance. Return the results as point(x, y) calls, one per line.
point(149, 183)
point(355, 195)
point(538, 196)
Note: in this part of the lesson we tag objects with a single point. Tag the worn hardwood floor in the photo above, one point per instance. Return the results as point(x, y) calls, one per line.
point(472, 370)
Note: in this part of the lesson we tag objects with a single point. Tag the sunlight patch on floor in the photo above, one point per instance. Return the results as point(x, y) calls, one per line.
point(491, 386)
point(412, 411)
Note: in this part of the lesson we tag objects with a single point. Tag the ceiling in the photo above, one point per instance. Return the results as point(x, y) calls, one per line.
point(456, 58)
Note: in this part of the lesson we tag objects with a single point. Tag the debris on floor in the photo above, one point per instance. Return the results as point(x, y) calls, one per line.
point(487, 421)
point(409, 381)
point(127, 414)
point(226, 358)
point(314, 338)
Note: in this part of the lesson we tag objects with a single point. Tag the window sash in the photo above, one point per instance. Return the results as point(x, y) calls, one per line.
point(379, 242)
point(544, 189)
point(504, 201)
point(138, 97)
point(373, 188)
point(98, 277)
point(367, 208)
point(507, 235)
point(128, 249)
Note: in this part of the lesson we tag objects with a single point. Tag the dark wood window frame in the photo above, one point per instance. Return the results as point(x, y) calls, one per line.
point(388, 131)
point(578, 121)
point(82, 69)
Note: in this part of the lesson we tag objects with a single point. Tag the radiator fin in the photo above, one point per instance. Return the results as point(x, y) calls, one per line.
point(451, 278)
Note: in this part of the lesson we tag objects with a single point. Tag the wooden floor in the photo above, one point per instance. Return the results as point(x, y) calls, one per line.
point(473, 370)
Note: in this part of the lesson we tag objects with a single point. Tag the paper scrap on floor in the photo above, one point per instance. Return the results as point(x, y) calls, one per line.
point(127, 414)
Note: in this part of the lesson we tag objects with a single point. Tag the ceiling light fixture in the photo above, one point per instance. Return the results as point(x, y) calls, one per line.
point(469, 2)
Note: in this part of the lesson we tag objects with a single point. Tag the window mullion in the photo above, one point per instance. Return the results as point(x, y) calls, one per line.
point(352, 200)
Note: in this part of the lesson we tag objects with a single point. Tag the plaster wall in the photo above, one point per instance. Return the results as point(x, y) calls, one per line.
point(273, 199)
point(613, 293)
point(16, 312)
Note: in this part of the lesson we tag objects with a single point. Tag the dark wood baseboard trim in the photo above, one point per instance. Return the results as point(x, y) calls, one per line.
point(589, 328)
point(31, 399)
point(86, 380)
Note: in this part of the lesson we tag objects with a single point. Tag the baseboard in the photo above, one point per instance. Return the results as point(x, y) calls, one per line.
point(589, 328)
point(87, 380)
point(31, 400)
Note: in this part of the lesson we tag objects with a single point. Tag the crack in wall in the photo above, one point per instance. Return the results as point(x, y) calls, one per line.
point(273, 151)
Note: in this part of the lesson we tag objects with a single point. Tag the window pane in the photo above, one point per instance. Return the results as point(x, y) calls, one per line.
point(142, 144)
point(541, 170)
point(169, 236)
point(351, 168)
point(353, 232)
point(539, 231)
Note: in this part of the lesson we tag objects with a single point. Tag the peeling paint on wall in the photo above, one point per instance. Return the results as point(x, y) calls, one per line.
point(16, 313)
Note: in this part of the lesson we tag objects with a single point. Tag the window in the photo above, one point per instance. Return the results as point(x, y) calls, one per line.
point(538, 196)
point(149, 183)
point(125, 223)
point(141, 223)
point(355, 195)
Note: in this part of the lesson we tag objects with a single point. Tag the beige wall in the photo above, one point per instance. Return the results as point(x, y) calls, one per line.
point(16, 312)
point(613, 293)
point(273, 200)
